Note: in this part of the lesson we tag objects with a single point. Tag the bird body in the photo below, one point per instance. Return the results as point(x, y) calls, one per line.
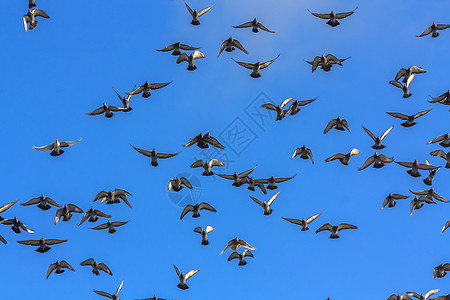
point(154, 155)
point(335, 229)
point(43, 202)
point(333, 17)
point(42, 244)
point(58, 267)
point(204, 233)
point(255, 25)
point(182, 277)
point(30, 18)
point(195, 209)
point(304, 223)
point(176, 48)
point(230, 44)
point(190, 59)
point(176, 184)
point(256, 67)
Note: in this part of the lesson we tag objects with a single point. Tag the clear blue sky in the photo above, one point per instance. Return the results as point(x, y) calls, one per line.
point(67, 66)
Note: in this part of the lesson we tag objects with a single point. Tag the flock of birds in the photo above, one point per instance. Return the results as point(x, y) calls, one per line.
point(203, 141)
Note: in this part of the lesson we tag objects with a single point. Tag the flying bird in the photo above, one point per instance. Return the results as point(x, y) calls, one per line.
point(443, 139)
point(326, 62)
point(421, 296)
point(16, 225)
point(266, 205)
point(30, 18)
point(146, 87)
point(442, 154)
point(304, 223)
point(110, 226)
point(177, 47)
point(430, 194)
point(202, 141)
point(433, 29)
point(440, 271)
point(190, 59)
point(418, 202)
point(182, 285)
point(240, 256)
point(176, 184)
point(207, 165)
point(196, 14)
point(305, 153)
point(415, 167)
point(153, 298)
point(107, 295)
point(66, 212)
point(338, 124)
point(56, 147)
point(113, 197)
point(442, 99)
point(204, 233)
point(96, 267)
point(281, 113)
point(236, 243)
point(255, 25)
point(335, 229)
point(42, 244)
point(125, 101)
point(195, 209)
point(154, 155)
point(404, 87)
point(343, 158)
point(93, 215)
point(106, 109)
point(256, 67)
point(59, 266)
point(409, 120)
point(377, 140)
point(237, 177)
point(271, 182)
point(229, 44)
point(390, 200)
point(333, 17)
point(378, 161)
point(295, 105)
point(431, 175)
point(43, 202)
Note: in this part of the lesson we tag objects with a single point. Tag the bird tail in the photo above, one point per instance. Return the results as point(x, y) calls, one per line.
point(57, 153)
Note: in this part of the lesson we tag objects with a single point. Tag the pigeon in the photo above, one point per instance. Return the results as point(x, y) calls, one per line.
point(338, 124)
point(93, 215)
point(418, 202)
point(236, 243)
point(442, 154)
point(204, 233)
point(430, 194)
point(43, 202)
point(266, 205)
point(237, 177)
point(335, 229)
point(16, 225)
point(106, 109)
point(295, 105)
point(125, 101)
point(433, 29)
point(107, 295)
point(240, 256)
point(409, 120)
point(304, 223)
point(153, 298)
point(30, 18)
point(377, 140)
point(305, 153)
point(326, 62)
point(182, 285)
point(31, 4)
point(196, 209)
point(146, 87)
point(176, 48)
point(415, 167)
point(423, 297)
point(252, 183)
point(440, 271)
point(390, 200)
point(443, 139)
point(442, 99)
point(42, 244)
point(343, 158)
point(447, 225)
point(255, 25)
point(110, 226)
point(272, 181)
point(59, 266)
point(378, 161)
point(96, 266)
point(256, 67)
point(207, 165)
point(56, 147)
point(66, 212)
point(404, 87)
point(333, 17)
point(399, 297)
point(176, 184)
point(154, 155)
point(202, 141)
point(196, 14)
point(229, 44)
point(113, 197)
point(190, 59)
point(431, 175)
point(406, 73)
point(281, 113)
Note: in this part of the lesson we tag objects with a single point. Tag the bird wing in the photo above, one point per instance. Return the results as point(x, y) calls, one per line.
point(52, 202)
point(65, 264)
point(211, 140)
point(345, 14)
point(198, 230)
point(191, 142)
point(261, 186)
point(426, 167)
point(334, 157)
point(322, 16)
point(414, 295)
point(272, 198)
point(59, 213)
point(417, 70)
point(84, 218)
point(176, 270)
point(209, 229)
point(32, 201)
point(191, 273)
point(198, 54)
point(105, 294)
point(245, 25)
point(437, 139)
point(257, 201)
point(278, 180)
point(155, 86)
point(269, 106)
point(166, 155)
point(222, 47)
point(206, 206)
point(369, 133)
point(29, 242)
point(439, 197)
point(368, 162)
point(21, 225)
point(354, 151)
point(182, 57)
point(268, 63)
point(309, 220)
point(40, 13)
point(186, 47)
point(103, 267)
point(294, 221)
point(439, 153)
point(67, 144)
point(346, 226)
point(168, 48)
point(264, 28)
point(101, 214)
point(305, 102)
point(101, 226)
point(345, 124)
point(330, 125)
point(186, 183)
point(44, 148)
point(142, 151)
point(198, 163)
point(100, 195)
point(238, 45)
point(246, 245)
point(117, 224)
point(231, 177)
point(74, 208)
point(386, 133)
point(398, 115)
point(233, 256)
point(187, 209)
point(398, 196)
point(50, 269)
point(245, 65)
point(286, 101)
point(7, 206)
point(315, 63)
point(396, 84)
point(296, 152)
point(204, 11)
point(400, 74)
point(404, 164)
point(26, 20)
point(432, 292)
point(422, 113)
point(309, 152)
point(442, 26)
point(324, 227)
point(87, 262)
point(427, 31)
point(447, 225)
point(246, 173)
point(421, 193)
point(124, 199)
point(216, 163)
point(189, 9)
point(54, 241)
point(227, 246)
point(136, 91)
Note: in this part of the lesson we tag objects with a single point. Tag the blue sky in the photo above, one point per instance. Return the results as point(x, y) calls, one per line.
point(67, 66)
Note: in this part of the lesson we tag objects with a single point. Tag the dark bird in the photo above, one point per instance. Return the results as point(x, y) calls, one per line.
point(404, 87)
point(442, 154)
point(154, 155)
point(433, 29)
point(295, 105)
point(266, 205)
point(202, 141)
point(176, 184)
point(177, 47)
point(335, 229)
point(326, 62)
point(236, 243)
point(409, 119)
point(333, 17)
point(30, 18)
point(255, 25)
point(281, 113)
point(107, 295)
point(421, 296)
point(305, 153)
point(443, 139)
point(125, 101)
point(182, 285)
point(196, 209)
point(110, 226)
point(229, 44)
point(442, 99)
point(153, 298)
point(106, 109)
point(207, 165)
point(338, 124)
point(56, 147)
point(390, 200)
point(252, 183)
point(196, 14)
point(190, 59)
point(44, 203)
point(59, 266)
point(418, 202)
point(66, 212)
point(146, 87)
point(237, 177)
point(304, 223)
point(256, 67)
point(204, 233)
point(440, 271)
point(16, 225)
point(31, 3)
point(415, 167)
point(377, 140)
point(42, 244)
point(430, 194)
point(431, 175)
point(96, 266)
point(399, 297)
point(378, 161)
point(343, 158)
point(271, 182)
point(93, 215)
point(240, 256)
point(113, 197)
point(447, 225)
point(406, 73)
